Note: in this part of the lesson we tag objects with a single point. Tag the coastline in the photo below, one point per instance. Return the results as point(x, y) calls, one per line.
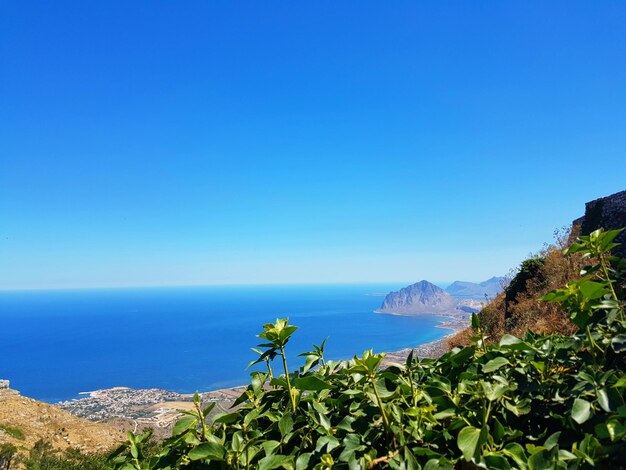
point(135, 409)
point(432, 349)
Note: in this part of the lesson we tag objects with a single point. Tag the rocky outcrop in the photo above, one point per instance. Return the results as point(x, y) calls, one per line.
point(609, 213)
point(425, 297)
point(419, 298)
point(5, 389)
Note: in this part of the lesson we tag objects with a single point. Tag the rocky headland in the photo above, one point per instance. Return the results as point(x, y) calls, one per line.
point(421, 297)
point(424, 297)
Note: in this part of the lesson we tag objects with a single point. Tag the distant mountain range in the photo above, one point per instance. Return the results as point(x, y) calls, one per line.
point(425, 297)
point(471, 290)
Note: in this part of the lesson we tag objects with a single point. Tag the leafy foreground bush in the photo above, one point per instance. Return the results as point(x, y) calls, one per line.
point(541, 402)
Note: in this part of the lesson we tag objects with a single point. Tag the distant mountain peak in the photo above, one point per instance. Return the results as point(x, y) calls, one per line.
point(421, 297)
point(424, 297)
point(425, 285)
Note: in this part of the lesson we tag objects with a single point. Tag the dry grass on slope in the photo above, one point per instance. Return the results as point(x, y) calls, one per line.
point(24, 421)
point(520, 307)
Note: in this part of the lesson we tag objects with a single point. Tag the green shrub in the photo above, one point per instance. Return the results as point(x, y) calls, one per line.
point(7, 454)
point(538, 402)
point(43, 457)
point(17, 433)
point(529, 269)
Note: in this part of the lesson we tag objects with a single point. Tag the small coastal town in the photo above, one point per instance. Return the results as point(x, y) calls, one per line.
point(154, 408)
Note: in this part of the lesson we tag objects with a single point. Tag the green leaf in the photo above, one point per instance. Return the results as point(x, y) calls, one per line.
point(498, 431)
point(346, 423)
point(286, 332)
point(273, 461)
point(558, 295)
point(573, 248)
point(517, 453)
point(462, 355)
point(581, 410)
point(237, 442)
point(269, 446)
point(285, 425)
point(518, 409)
point(226, 418)
point(496, 461)
point(208, 409)
point(440, 383)
point(208, 450)
point(128, 466)
point(302, 461)
point(607, 304)
point(509, 340)
point(592, 290)
point(311, 383)
point(469, 442)
point(475, 321)
point(184, 424)
point(324, 422)
point(493, 391)
point(605, 237)
point(540, 366)
point(552, 440)
point(542, 460)
point(512, 343)
point(410, 460)
point(329, 442)
point(250, 416)
point(495, 364)
point(311, 360)
point(352, 441)
point(438, 464)
point(621, 383)
point(603, 400)
point(280, 382)
point(616, 430)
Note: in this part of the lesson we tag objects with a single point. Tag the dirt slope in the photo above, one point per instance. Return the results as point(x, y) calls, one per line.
point(24, 421)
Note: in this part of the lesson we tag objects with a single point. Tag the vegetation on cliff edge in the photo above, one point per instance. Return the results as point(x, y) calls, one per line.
point(538, 402)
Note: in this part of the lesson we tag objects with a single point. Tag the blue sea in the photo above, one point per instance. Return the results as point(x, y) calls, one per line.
point(55, 344)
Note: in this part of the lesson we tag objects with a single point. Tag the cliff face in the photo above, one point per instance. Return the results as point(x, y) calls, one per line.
point(421, 297)
point(609, 213)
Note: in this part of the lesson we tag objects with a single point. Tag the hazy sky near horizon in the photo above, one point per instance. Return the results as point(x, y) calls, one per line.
point(167, 143)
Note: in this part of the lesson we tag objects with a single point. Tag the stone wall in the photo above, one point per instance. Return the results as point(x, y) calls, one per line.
point(609, 213)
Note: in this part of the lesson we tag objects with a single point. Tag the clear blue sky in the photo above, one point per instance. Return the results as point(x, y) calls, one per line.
point(167, 143)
